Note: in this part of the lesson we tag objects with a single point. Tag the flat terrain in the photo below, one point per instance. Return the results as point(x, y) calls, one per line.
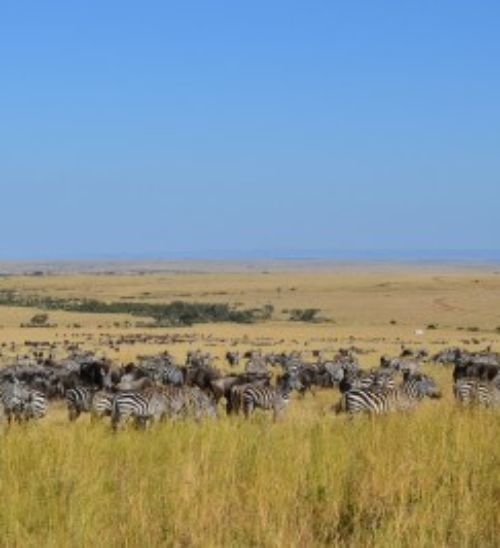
point(310, 479)
point(374, 307)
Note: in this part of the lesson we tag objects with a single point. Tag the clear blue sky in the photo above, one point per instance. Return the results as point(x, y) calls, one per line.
point(178, 129)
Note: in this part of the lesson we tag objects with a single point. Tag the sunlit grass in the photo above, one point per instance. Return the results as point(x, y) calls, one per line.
point(429, 478)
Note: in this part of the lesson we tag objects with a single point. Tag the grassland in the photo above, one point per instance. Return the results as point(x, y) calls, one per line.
point(312, 479)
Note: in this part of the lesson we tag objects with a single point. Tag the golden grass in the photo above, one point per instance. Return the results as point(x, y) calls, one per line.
point(312, 479)
point(430, 478)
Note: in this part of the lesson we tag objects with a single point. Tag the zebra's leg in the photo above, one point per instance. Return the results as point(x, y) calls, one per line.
point(73, 413)
point(247, 409)
point(233, 403)
point(24, 416)
point(115, 420)
point(236, 404)
point(276, 413)
point(140, 422)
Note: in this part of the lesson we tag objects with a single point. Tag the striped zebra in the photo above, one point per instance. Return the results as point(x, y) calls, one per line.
point(143, 407)
point(200, 404)
point(188, 401)
point(473, 391)
point(102, 405)
point(403, 364)
point(375, 379)
point(78, 401)
point(35, 407)
point(234, 403)
point(12, 396)
point(171, 374)
point(22, 403)
point(234, 400)
point(267, 397)
point(401, 398)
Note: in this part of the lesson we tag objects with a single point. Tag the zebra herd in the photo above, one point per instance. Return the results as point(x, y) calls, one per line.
point(152, 404)
point(476, 382)
point(157, 389)
point(157, 402)
point(380, 399)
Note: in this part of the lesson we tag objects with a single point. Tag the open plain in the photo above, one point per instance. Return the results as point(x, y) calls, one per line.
point(428, 478)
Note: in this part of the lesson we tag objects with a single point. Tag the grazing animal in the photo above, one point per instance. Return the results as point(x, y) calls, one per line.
point(171, 374)
point(78, 401)
point(269, 398)
point(143, 407)
point(473, 391)
point(102, 405)
point(35, 407)
point(13, 395)
point(134, 385)
point(22, 403)
point(401, 398)
point(374, 379)
point(160, 402)
point(232, 358)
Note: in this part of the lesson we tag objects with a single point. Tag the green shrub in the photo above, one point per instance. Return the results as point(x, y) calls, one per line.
point(304, 315)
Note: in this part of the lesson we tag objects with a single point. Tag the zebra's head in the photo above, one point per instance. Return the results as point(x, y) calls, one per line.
point(335, 371)
point(289, 382)
point(426, 385)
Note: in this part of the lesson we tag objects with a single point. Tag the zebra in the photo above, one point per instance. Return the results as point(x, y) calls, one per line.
point(234, 402)
point(35, 407)
point(376, 379)
point(11, 399)
point(102, 405)
point(171, 374)
point(232, 358)
point(187, 401)
point(385, 400)
point(196, 403)
point(470, 391)
point(78, 401)
point(22, 403)
point(269, 398)
point(403, 364)
point(14, 395)
point(144, 407)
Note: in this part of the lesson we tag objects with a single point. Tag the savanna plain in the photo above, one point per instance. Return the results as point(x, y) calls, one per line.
point(312, 478)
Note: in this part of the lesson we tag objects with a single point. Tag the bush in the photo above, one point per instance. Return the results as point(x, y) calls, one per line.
point(39, 320)
point(304, 315)
point(176, 313)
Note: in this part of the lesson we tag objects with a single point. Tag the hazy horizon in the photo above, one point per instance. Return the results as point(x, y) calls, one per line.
point(340, 256)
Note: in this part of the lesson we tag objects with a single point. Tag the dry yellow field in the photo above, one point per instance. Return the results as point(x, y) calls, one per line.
point(375, 308)
point(311, 479)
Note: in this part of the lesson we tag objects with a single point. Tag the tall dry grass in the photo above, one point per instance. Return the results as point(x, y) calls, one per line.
point(312, 479)
point(426, 479)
